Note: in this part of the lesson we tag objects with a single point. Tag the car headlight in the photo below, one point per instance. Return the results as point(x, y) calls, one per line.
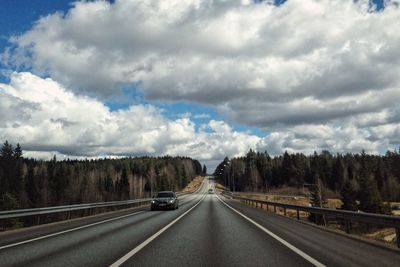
point(171, 201)
point(153, 201)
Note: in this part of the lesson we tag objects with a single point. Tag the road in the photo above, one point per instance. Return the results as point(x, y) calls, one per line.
point(207, 230)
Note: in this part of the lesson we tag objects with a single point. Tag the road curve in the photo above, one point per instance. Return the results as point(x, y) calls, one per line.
point(204, 231)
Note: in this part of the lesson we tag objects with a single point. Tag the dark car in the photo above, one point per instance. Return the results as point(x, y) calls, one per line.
point(164, 200)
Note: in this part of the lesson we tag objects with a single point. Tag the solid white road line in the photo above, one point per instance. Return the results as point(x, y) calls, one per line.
point(71, 230)
point(67, 231)
point(282, 241)
point(151, 238)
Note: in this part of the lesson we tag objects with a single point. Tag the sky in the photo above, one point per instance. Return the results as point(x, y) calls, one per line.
point(199, 78)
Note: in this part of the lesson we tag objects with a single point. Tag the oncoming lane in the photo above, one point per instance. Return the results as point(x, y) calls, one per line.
point(97, 245)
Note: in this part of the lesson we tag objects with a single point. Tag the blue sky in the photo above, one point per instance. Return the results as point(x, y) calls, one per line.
point(309, 75)
point(17, 17)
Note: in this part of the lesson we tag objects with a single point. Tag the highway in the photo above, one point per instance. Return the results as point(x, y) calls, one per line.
point(206, 230)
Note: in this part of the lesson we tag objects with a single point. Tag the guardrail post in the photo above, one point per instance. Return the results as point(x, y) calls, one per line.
point(398, 237)
point(347, 223)
point(298, 214)
point(38, 220)
point(275, 208)
point(267, 207)
point(284, 211)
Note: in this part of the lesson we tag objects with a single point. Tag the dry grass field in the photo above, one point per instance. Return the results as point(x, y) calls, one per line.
point(194, 184)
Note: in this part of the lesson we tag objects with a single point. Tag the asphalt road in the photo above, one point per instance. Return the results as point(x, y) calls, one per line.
point(207, 230)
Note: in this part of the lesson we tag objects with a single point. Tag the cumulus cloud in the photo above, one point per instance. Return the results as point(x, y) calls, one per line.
point(313, 74)
point(305, 61)
point(48, 119)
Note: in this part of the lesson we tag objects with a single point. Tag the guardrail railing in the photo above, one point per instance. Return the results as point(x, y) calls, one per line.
point(346, 216)
point(12, 214)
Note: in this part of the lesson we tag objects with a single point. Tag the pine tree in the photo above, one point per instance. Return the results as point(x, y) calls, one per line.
point(17, 152)
point(370, 198)
point(6, 152)
point(349, 196)
point(338, 174)
point(33, 189)
point(124, 185)
point(318, 199)
point(204, 170)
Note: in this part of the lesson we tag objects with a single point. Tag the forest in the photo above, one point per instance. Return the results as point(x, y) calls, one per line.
point(30, 183)
point(362, 181)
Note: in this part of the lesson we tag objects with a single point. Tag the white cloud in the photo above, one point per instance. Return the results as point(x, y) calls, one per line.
point(48, 119)
point(306, 61)
point(313, 74)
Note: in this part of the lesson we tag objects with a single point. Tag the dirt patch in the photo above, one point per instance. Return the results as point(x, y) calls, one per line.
point(294, 200)
point(385, 235)
point(396, 212)
point(219, 187)
point(193, 185)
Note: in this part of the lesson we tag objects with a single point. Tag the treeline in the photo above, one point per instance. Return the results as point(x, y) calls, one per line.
point(363, 181)
point(28, 183)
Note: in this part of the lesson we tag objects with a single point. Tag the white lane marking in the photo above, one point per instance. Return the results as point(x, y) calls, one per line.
point(282, 241)
point(67, 231)
point(151, 238)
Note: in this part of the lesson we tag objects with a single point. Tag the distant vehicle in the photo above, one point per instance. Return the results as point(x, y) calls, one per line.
point(210, 191)
point(165, 200)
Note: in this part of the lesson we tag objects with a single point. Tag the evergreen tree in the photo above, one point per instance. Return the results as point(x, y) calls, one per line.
point(6, 152)
point(7, 166)
point(318, 199)
point(287, 168)
point(370, 198)
point(204, 170)
point(32, 186)
point(17, 152)
point(124, 185)
point(338, 174)
point(349, 196)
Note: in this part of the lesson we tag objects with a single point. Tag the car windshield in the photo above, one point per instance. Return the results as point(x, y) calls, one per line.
point(165, 194)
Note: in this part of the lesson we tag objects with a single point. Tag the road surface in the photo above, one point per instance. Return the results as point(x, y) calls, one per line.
point(206, 230)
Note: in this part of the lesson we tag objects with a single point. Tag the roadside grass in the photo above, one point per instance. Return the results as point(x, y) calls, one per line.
point(193, 185)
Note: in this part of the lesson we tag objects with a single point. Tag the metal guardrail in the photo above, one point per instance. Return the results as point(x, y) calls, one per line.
point(11, 214)
point(347, 216)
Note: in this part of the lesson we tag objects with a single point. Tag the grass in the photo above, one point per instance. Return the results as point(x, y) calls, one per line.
point(194, 184)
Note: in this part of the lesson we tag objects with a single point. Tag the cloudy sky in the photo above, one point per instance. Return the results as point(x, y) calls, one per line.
point(200, 78)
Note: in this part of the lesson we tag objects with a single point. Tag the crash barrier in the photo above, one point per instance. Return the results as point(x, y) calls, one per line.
point(346, 216)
